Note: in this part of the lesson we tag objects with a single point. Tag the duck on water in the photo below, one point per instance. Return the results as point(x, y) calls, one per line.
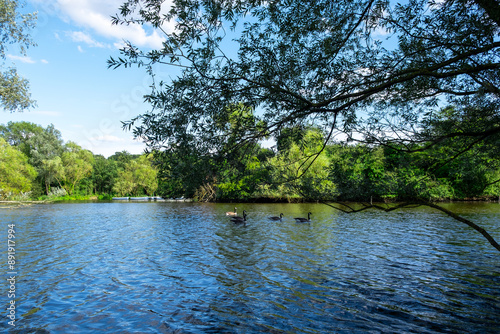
point(304, 220)
point(276, 218)
point(239, 220)
point(232, 213)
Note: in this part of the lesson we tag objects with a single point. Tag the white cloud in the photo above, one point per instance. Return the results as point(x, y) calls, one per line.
point(95, 15)
point(108, 145)
point(46, 113)
point(23, 59)
point(108, 138)
point(80, 36)
point(26, 59)
point(381, 32)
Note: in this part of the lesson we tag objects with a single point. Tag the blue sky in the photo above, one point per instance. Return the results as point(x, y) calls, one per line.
point(69, 77)
point(70, 80)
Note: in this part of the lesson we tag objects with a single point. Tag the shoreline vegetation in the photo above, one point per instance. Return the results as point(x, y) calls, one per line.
point(36, 166)
point(255, 200)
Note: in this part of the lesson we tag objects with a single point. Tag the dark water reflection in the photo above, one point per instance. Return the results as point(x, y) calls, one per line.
point(184, 268)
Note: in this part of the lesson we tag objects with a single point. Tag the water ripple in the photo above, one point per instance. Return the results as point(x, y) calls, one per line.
point(185, 268)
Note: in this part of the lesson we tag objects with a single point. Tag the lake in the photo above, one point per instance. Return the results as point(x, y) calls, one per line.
point(156, 267)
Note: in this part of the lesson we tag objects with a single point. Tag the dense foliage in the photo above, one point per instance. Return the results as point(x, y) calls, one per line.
point(16, 175)
point(346, 172)
point(373, 70)
point(14, 29)
point(36, 163)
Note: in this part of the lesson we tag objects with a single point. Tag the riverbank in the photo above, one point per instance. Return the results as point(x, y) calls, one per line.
point(154, 198)
point(67, 198)
point(368, 200)
point(253, 200)
point(96, 199)
point(186, 266)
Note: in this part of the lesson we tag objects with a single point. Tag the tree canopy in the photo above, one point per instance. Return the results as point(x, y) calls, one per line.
point(14, 29)
point(372, 71)
point(36, 163)
point(16, 175)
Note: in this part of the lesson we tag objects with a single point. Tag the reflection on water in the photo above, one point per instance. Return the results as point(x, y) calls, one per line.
point(185, 268)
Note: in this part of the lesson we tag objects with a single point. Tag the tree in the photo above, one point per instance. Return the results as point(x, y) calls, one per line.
point(302, 173)
point(51, 170)
point(187, 169)
point(18, 133)
point(243, 176)
point(123, 158)
point(40, 145)
point(16, 175)
point(359, 172)
point(471, 161)
point(77, 164)
point(145, 174)
point(320, 62)
point(104, 172)
point(14, 27)
point(137, 177)
point(366, 174)
point(124, 184)
point(45, 150)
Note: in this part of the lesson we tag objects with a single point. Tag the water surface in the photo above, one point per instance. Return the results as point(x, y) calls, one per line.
point(185, 268)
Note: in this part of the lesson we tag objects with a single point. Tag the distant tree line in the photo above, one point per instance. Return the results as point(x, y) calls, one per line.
point(372, 72)
point(15, 28)
point(293, 170)
point(375, 71)
point(35, 163)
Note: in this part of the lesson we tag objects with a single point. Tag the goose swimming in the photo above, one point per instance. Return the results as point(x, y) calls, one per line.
point(276, 218)
point(240, 219)
point(230, 213)
point(303, 220)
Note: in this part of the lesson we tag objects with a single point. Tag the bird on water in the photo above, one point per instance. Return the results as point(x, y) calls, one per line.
point(229, 213)
point(276, 218)
point(240, 219)
point(303, 220)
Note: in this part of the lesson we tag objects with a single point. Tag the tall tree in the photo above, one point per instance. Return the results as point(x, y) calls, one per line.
point(145, 174)
point(472, 161)
point(18, 134)
point(104, 172)
point(139, 176)
point(14, 29)
point(123, 158)
point(51, 170)
point(45, 150)
point(77, 164)
point(41, 145)
point(373, 70)
point(16, 175)
point(299, 171)
point(323, 61)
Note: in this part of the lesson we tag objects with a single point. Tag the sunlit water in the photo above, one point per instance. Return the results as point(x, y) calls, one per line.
point(185, 268)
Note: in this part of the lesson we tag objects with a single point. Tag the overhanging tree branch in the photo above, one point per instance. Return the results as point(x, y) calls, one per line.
point(313, 62)
point(465, 221)
point(349, 209)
